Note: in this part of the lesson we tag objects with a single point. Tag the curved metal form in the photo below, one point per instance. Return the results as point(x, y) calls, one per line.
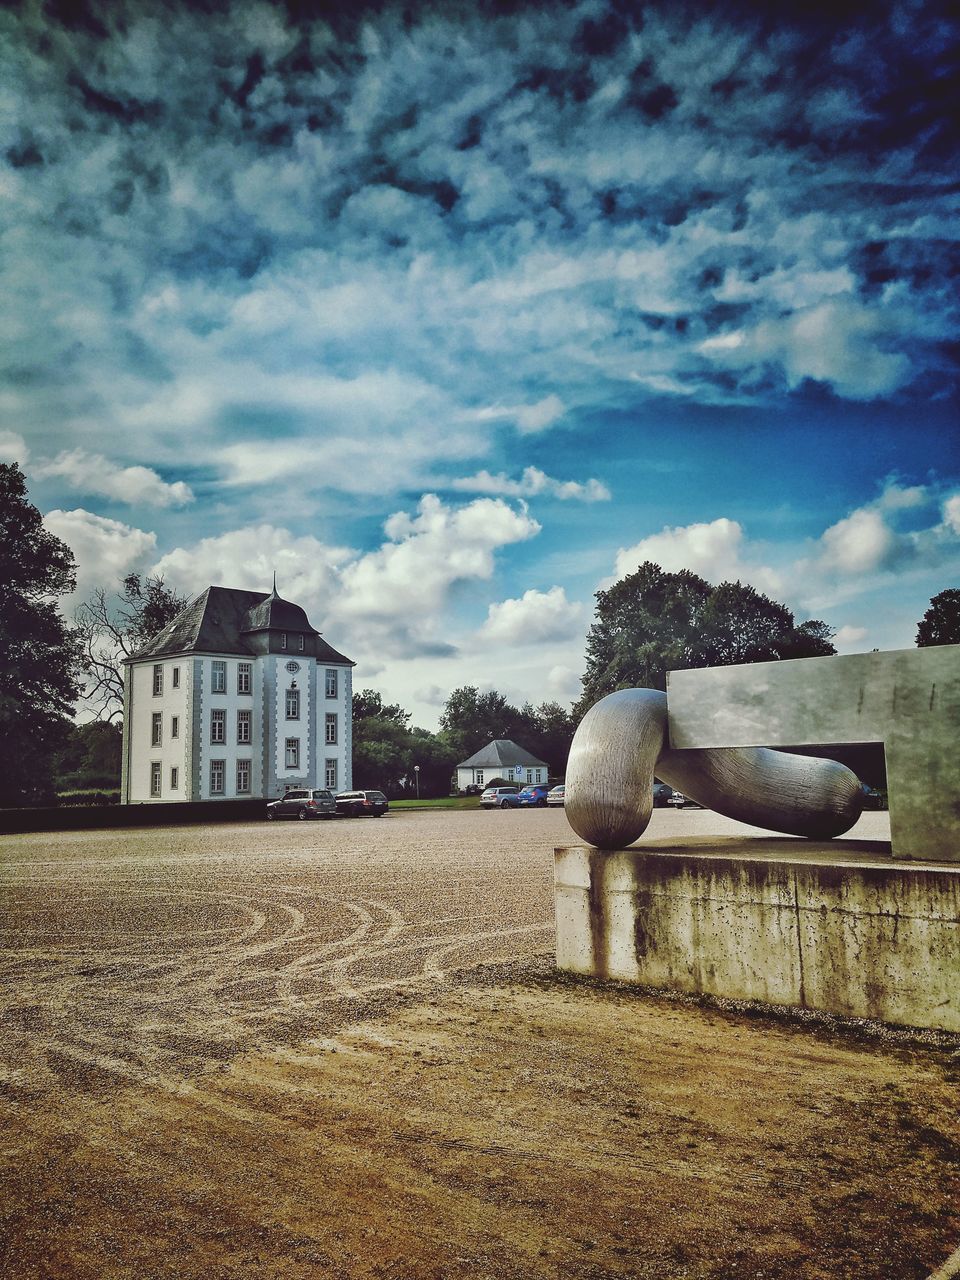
point(621, 744)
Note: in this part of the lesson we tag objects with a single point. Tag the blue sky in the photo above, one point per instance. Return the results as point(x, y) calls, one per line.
point(452, 316)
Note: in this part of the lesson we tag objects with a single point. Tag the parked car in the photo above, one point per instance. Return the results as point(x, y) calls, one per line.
point(362, 804)
point(556, 795)
point(661, 795)
point(676, 799)
point(500, 798)
point(533, 797)
point(304, 804)
point(471, 789)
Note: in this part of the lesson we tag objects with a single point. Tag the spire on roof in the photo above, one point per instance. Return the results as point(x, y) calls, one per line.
point(274, 582)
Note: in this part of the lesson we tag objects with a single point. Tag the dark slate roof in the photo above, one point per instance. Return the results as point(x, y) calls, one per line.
point(217, 620)
point(274, 614)
point(500, 753)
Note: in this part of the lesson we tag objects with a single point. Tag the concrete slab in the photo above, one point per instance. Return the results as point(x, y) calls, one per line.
point(838, 926)
point(907, 699)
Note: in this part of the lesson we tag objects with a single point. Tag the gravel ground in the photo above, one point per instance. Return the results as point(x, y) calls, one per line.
point(340, 1050)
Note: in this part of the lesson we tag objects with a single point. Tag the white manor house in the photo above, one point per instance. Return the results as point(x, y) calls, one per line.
point(238, 697)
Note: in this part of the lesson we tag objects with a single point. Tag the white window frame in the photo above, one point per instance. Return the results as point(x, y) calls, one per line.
point(218, 772)
point(330, 773)
point(218, 726)
point(176, 677)
point(283, 640)
point(174, 726)
point(243, 777)
point(218, 676)
point(156, 778)
point(291, 753)
point(331, 682)
point(292, 699)
point(300, 644)
point(156, 729)
point(478, 776)
point(157, 679)
point(330, 728)
point(244, 727)
point(174, 778)
point(244, 677)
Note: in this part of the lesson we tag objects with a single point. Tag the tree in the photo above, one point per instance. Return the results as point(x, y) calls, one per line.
point(652, 622)
point(471, 719)
point(113, 628)
point(941, 623)
point(90, 757)
point(39, 654)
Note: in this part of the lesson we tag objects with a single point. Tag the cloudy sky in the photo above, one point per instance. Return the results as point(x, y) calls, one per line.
point(451, 317)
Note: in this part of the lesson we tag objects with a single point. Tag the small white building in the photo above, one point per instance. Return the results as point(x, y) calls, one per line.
point(501, 758)
point(239, 696)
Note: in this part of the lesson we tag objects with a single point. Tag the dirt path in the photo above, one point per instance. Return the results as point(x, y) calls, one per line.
point(269, 1051)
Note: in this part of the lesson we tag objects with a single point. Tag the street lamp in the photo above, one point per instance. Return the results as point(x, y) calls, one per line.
point(416, 771)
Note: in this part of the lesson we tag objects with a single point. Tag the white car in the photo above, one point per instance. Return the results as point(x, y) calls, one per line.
point(556, 795)
point(500, 798)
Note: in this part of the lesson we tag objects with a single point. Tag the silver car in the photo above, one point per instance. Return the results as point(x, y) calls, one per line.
point(303, 804)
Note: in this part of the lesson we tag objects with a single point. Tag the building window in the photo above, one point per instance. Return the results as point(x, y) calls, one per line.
point(300, 642)
point(217, 773)
point(174, 726)
point(158, 678)
point(529, 776)
point(174, 778)
point(538, 778)
point(156, 777)
point(331, 682)
point(176, 677)
point(330, 775)
point(243, 726)
point(218, 679)
point(244, 671)
point(293, 753)
point(330, 730)
point(283, 639)
point(478, 776)
point(243, 777)
point(293, 704)
point(156, 729)
point(218, 726)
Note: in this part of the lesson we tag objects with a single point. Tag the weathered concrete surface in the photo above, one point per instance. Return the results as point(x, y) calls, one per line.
point(836, 927)
point(908, 699)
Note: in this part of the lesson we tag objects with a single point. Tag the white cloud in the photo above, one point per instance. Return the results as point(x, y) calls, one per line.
point(539, 416)
point(714, 550)
point(838, 342)
point(94, 474)
point(848, 636)
point(533, 483)
point(951, 514)
point(13, 448)
point(307, 570)
point(537, 616)
point(862, 542)
point(407, 579)
point(105, 550)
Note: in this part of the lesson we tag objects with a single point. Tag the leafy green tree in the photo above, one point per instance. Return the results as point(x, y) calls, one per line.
point(90, 757)
point(941, 622)
point(39, 654)
point(471, 719)
point(114, 626)
point(652, 622)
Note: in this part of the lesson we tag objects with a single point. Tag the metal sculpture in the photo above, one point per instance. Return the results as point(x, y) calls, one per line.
point(622, 744)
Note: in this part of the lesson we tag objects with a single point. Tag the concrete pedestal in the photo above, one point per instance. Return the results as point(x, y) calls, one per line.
point(838, 926)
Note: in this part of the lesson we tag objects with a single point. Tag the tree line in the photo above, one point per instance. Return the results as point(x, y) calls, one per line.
point(648, 623)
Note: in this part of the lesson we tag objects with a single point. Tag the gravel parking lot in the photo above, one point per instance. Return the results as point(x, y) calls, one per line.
point(339, 1049)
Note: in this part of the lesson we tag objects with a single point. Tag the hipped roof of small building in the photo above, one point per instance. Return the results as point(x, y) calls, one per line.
point(217, 620)
point(501, 753)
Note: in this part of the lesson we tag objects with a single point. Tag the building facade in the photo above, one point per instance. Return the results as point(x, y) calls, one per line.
point(501, 758)
point(238, 697)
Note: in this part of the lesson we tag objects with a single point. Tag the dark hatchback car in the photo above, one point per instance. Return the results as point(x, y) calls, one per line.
point(362, 804)
point(304, 804)
point(534, 797)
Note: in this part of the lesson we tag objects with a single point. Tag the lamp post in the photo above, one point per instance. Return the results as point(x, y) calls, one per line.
point(416, 774)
